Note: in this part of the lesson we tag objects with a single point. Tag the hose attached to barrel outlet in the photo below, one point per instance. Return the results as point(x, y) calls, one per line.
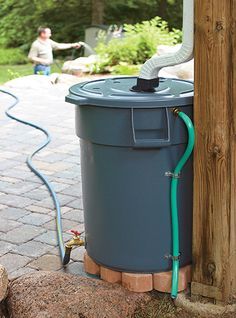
point(30, 164)
point(174, 203)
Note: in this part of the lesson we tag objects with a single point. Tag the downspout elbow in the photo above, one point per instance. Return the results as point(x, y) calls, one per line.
point(152, 67)
point(149, 75)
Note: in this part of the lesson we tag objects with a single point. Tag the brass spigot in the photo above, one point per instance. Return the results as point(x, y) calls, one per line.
point(75, 241)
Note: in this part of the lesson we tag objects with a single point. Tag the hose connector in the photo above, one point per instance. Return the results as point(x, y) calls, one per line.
point(176, 111)
point(75, 241)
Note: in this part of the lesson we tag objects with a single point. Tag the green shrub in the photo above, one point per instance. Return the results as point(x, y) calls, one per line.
point(12, 74)
point(139, 43)
point(12, 56)
point(125, 69)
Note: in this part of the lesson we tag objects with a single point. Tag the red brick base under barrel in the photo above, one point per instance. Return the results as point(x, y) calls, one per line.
point(138, 282)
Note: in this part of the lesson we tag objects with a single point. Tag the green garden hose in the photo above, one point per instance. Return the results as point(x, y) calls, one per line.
point(174, 203)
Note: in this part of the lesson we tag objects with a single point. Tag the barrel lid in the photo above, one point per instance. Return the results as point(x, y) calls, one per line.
point(116, 92)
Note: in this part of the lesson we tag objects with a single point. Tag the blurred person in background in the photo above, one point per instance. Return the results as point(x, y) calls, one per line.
point(41, 51)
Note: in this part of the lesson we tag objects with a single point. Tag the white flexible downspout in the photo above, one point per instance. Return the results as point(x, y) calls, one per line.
point(152, 67)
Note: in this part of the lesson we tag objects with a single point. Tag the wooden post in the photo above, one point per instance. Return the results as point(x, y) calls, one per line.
point(214, 221)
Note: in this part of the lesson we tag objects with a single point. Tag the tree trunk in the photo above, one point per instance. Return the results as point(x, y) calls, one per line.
point(98, 7)
point(162, 9)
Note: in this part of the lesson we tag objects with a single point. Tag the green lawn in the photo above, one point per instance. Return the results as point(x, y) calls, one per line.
point(8, 72)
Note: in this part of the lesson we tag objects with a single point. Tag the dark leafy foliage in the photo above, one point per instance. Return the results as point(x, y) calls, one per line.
point(20, 19)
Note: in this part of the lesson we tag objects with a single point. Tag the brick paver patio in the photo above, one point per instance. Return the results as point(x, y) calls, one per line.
point(27, 218)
